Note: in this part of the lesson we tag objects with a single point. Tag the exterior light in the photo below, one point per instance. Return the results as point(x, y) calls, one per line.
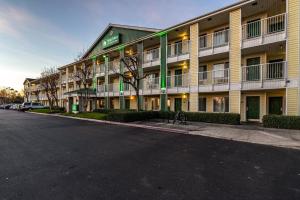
point(184, 96)
point(131, 97)
point(185, 66)
point(185, 37)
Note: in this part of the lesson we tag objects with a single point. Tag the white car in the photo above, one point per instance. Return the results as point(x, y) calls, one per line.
point(31, 105)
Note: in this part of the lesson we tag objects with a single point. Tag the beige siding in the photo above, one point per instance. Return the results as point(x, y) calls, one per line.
point(235, 101)
point(235, 46)
point(194, 64)
point(292, 101)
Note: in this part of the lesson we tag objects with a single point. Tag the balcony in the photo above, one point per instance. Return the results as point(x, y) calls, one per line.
point(151, 86)
point(114, 66)
point(264, 76)
point(151, 58)
point(113, 89)
point(63, 79)
point(100, 70)
point(214, 43)
point(178, 83)
point(101, 90)
point(215, 80)
point(179, 51)
point(128, 90)
point(265, 31)
point(71, 77)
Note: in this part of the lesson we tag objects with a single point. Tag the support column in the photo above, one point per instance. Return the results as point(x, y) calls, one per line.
point(293, 52)
point(194, 64)
point(67, 90)
point(140, 48)
point(235, 61)
point(121, 86)
point(163, 72)
point(106, 97)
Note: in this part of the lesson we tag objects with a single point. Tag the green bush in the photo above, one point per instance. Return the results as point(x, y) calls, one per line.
point(280, 121)
point(125, 116)
point(219, 118)
point(87, 115)
point(48, 111)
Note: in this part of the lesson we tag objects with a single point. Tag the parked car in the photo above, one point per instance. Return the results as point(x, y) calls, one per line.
point(2, 106)
point(31, 105)
point(15, 106)
point(7, 106)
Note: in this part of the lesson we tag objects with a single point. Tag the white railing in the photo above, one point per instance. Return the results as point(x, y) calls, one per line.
point(214, 40)
point(101, 88)
point(100, 68)
point(114, 65)
point(264, 72)
point(178, 49)
point(71, 77)
point(214, 77)
point(113, 87)
point(151, 55)
point(265, 26)
point(181, 80)
point(151, 83)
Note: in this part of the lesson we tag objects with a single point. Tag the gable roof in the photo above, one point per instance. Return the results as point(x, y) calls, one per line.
point(109, 26)
point(28, 79)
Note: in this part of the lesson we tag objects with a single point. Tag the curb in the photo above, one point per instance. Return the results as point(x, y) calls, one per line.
point(116, 123)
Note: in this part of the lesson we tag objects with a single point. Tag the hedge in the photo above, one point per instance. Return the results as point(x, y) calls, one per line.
point(126, 116)
point(280, 121)
point(220, 118)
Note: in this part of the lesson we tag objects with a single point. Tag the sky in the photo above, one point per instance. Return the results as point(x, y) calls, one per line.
point(35, 34)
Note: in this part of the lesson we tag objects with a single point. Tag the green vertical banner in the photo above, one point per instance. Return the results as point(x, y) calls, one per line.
point(121, 86)
point(140, 49)
point(163, 71)
point(94, 74)
point(106, 101)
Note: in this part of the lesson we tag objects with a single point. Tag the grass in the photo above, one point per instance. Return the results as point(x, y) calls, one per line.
point(45, 110)
point(87, 115)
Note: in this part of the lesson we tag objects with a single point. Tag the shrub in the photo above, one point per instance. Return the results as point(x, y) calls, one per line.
point(219, 118)
point(129, 116)
point(280, 121)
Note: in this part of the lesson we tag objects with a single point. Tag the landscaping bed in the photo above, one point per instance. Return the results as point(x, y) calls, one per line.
point(88, 115)
point(48, 111)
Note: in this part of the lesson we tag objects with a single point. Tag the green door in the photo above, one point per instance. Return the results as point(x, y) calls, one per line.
point(275, 105)
point(127, 104)
point(178, 104)
point(253, 107)
point(253, 69)
point(178, 78)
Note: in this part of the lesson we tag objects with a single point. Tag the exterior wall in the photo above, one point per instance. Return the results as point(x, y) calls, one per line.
point(194, 63)
point(293, 54)
point(235, 60)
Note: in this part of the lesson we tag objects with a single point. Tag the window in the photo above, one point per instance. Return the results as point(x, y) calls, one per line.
point(127, 104)
point(221, 37)
point(203, 72)
point(203, 41)
point(221, 104)
point(202, 104)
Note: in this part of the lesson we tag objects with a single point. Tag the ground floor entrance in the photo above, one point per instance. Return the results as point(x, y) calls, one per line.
point(275, 105)
point(253, 108)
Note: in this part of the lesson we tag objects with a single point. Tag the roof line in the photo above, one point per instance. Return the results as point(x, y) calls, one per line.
point(191, 21)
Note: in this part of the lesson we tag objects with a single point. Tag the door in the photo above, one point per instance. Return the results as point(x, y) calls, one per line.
point(178, 104)
point(275, 105)
point(202, 73)
point(178, 77)
point(169, 79)
point(253, 69)
point(253, 107)
point(127, 104)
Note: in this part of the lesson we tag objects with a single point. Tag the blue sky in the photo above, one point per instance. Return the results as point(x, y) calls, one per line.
point(35, 34)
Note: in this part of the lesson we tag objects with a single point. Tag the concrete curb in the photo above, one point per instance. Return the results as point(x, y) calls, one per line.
point(117, 123)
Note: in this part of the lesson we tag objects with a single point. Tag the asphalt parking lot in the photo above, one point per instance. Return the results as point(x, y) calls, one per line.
point(45, 157)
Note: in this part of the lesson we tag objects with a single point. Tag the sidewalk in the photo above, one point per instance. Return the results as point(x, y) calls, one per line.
point(244, 133)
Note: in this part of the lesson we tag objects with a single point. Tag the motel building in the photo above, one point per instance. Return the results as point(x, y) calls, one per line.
point(243, 58)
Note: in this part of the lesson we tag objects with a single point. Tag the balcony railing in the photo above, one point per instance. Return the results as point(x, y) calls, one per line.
point(101, 88)
point(267, 26)
point(181, 80)
point(178, 49)
point(215, 77)
point(214, 40)
point(261, 74)
point(100, 68)
point(113, 87)
point(114, 66)
point(151, 55)
point(151, 83)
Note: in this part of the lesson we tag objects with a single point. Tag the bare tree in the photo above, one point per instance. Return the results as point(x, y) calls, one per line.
point(49, 83)
point(83, 77)
point(37, 94)
point(79, 55)
point(132, 77)
point(26, 93)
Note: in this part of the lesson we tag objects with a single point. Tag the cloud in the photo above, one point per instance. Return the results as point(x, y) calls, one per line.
point(18, 23)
